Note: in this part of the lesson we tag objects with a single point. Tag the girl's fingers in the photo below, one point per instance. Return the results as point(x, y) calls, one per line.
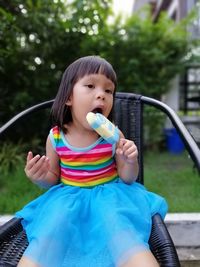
point(40, 164)
point(131, 150)
point(29, 156)
point(36, 166)
point(120, 146)
point(31, 161)
point(38, 175)
point(43, 169)
point(133, 156)
point(127, 149)
point(126, 145)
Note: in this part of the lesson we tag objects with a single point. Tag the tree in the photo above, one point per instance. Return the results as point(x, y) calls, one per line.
point(38, 39)
point(146, 55)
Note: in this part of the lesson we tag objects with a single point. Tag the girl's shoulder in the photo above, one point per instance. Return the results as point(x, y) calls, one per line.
point(55, 135)
point(55, 130)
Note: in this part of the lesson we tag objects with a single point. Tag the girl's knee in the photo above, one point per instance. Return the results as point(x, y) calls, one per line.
point(142, 259)
point(25, 262)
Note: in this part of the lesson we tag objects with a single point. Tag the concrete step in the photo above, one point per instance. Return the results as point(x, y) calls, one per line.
point(184, 229)
point(190, 263)
point(5, 218)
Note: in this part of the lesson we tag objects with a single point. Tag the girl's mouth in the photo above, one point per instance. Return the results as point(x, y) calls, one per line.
point(97, 110)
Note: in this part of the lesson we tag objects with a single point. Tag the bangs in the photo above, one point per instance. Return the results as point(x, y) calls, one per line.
point(94, 65)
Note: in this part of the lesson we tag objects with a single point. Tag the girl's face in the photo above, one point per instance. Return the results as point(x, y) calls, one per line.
point(94, 93)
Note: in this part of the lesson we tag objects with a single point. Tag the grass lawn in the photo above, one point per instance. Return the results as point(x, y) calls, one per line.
point(15, 191)
point(172, 176)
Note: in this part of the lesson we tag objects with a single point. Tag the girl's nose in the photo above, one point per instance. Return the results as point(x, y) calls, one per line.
point(101, 94)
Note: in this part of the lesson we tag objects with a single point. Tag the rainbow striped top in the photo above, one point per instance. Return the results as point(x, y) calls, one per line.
point(84, 167)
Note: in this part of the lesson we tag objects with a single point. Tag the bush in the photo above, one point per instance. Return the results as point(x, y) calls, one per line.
point(11, 156)
point(40, 38)
point(148, 55)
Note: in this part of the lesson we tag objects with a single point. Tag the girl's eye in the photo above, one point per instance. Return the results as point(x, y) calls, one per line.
point(109, 91)
point(90, 86)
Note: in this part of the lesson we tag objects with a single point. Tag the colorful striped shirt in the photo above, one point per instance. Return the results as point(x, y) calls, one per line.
point(84, 167)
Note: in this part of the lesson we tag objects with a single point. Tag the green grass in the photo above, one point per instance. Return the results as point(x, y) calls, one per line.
point(16, 190)
point(171, 176)
point(174, 177)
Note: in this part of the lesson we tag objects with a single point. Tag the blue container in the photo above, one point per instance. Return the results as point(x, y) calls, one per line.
point(173, 141)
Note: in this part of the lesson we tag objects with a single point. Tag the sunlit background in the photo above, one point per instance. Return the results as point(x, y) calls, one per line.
point(123, 6)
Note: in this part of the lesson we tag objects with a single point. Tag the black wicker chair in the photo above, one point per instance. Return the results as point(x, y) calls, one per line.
point(129, 118)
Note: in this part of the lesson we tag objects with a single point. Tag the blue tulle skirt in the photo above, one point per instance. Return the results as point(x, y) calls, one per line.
point(102, 226)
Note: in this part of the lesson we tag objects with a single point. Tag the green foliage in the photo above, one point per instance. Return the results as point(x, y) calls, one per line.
point(38, 39)
point(32, 65)
point(11, 156)
point(153, 128)
point(148, 55)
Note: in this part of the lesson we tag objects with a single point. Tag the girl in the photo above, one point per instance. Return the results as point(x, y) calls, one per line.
point(94, 214)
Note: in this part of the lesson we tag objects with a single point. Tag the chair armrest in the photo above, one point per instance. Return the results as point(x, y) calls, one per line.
point(10, 228)
point(13, 242)
point(161, 244)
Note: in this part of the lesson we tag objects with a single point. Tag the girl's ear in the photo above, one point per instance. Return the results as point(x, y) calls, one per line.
point(69, 102)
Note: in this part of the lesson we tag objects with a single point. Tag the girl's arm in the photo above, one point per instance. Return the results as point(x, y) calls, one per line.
point(127, 160)
point(43, 170)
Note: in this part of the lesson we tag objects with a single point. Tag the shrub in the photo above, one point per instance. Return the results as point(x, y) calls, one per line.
point(11, 155)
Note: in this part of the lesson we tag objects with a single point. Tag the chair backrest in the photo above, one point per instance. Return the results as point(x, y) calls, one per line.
point(129, 109)
point(127, 117)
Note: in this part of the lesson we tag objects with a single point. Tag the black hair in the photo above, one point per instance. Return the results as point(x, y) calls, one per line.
point(61, 113)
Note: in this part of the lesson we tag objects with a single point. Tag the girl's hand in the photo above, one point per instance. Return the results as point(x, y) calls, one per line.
point(36, 167)
point(127, 151)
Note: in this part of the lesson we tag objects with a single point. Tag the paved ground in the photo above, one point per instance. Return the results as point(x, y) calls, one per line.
point(184, 229)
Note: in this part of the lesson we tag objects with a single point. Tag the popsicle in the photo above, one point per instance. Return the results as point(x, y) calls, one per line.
point(103, 127)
